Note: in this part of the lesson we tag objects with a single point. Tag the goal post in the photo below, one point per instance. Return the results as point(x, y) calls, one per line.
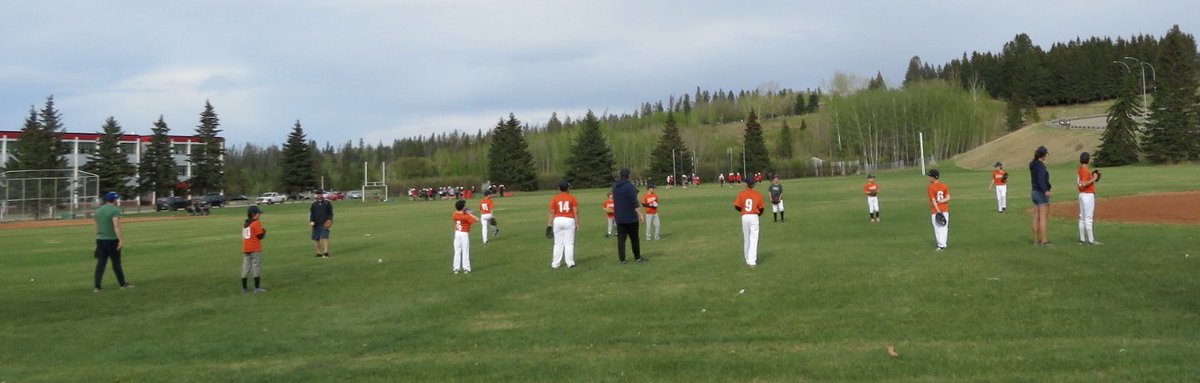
point(375, 190)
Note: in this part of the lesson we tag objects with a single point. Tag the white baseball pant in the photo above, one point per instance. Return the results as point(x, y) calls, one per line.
point(484, 221)
point(872, 204)
point(1087, 209)
point(1001, 197)
point(777, 207)
point(652, 222)
point(750, 238)
point(564, 241)
point(941, 234)
point(462, 251)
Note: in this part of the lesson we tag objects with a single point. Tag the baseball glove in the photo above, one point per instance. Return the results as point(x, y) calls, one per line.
point(940, 219)
point(549, 232)
point(328, 224)
point(873, 193)
point(1004, 178)
point(1096, 175)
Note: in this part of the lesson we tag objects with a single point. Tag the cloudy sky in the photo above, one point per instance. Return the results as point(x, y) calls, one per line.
point(381, 70)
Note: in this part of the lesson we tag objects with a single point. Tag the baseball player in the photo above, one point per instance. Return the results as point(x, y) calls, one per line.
point(776, 192)
point(721, 179)
point(650, 202)
point(749, 203)
point(462, 239)
point(939, 207)
point(486, 206)
point(871, 189)
point(1086, 181)
point(609, 207)
point(252, 236)
point(564, 211)
point(1000, 183)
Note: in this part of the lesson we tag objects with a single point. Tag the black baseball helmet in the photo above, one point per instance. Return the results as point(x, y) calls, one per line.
point(935, 174)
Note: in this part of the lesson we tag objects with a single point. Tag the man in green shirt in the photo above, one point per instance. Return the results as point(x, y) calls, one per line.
point(108, 240)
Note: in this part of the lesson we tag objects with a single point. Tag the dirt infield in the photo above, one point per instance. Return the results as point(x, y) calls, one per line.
point(1171, 208)
point(82, 222)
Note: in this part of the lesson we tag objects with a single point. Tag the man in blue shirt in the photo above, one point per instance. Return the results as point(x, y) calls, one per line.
point(627, 216)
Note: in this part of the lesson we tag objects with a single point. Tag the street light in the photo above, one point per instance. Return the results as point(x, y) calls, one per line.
point(1154, 73)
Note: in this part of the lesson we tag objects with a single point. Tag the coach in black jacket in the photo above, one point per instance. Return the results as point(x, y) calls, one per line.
point(627, 216)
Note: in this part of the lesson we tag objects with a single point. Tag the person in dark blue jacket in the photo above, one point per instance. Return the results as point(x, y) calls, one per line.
point(627, 216)
point(1039, 177)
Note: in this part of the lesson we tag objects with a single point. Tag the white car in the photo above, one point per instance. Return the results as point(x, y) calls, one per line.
point(270, 198)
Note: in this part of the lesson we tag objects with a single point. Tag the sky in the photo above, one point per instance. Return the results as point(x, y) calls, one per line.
point(382, 70)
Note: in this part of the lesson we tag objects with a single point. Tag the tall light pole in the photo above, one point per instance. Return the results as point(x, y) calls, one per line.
point(1154, 73)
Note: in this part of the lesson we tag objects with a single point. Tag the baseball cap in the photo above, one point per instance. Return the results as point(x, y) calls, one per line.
point(487, 192)
point(253, 209)
point(649, 185)
point(998, 164)
point(624, 172)
point(564, 185)
point(870, 176)
point(111, 196)
point(935, 173)
point(750, 181)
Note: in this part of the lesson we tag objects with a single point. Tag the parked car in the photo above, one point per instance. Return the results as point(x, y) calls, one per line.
point(298, 196)
point(170, 203)
point(334, 195)
point(270, 198)
point(214, 199)
point(354, 194)
point(198, 206)
point(239, 197)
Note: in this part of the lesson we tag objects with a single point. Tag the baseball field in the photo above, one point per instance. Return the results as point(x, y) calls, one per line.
point(831, 293)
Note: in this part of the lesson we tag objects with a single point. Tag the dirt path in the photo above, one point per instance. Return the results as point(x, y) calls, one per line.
point(1181, 208)
point(83, 221)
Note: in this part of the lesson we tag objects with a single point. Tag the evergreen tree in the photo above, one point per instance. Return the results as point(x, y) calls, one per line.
point(803, 125)
point(913, 73)
point(554, 124)
point(1012, 115)
point(1119, 143)
point(799, 108)
point(784, 148)
point(591, 163)
point(110, 163)
point(757, 158)
point(208, 169)
point(670, 145)
point(40, 146)
point(877, 82)
point(813, 101)
point(299, 172)
point(156, 170)
point(1172, 133)
point(509, 161)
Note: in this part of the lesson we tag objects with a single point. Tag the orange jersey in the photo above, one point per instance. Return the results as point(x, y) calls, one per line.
point(563, 205)
point(462, 221)
point(608, 206)
point(870, 187)
point(748, 201)
point(1085, 175)
point(650, 200)
point(998, 177)
point(485, 205)
point(938, 190)
point(250, 241)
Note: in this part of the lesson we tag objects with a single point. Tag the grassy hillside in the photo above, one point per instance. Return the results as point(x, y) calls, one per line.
point(830, 293)
point(1016, 149)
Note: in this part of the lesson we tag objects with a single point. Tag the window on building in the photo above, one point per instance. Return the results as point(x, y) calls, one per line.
point(129, 148)
point(181, 149)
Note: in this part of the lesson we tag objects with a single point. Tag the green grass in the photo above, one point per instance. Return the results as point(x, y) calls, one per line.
point(830, 293)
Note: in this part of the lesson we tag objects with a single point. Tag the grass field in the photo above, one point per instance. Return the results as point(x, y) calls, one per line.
point(830, 293)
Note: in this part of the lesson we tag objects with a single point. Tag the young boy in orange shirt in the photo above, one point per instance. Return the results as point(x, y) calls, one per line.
point(252, 236)
point(462, 236)
point(749, 203)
